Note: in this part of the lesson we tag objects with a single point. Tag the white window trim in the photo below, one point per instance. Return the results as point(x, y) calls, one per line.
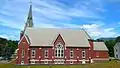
point(84, 53)
point(46, 50)
point(62, 62)
point(61, 48)
point(23, 53)
point(72, 52)
point(71, 62)
point(32, 62)
point(32, 53)
point(46, 61)
point(59, 61)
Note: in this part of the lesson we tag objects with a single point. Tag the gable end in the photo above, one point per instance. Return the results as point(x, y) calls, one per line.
point(26, 38)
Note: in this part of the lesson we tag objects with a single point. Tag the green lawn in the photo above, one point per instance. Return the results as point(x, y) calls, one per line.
point(111, 64)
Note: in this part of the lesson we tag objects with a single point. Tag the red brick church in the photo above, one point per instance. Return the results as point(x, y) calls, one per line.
point(57, 46)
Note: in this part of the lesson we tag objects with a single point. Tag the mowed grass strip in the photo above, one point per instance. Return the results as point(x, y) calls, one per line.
point(110, 64)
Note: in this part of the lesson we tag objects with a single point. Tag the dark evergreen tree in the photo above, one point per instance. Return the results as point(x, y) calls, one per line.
point(110, 44)
point(118, 39)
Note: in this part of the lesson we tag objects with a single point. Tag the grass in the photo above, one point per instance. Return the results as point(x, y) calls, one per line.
point(110, 64)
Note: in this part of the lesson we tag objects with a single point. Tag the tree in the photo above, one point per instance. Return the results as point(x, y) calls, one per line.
point(99, 40)
point(2, 47)
point(110, 44)
point(7, 47)
point(118, 39)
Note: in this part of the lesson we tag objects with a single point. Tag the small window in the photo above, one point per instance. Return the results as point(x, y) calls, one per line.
point(46, 62)
point(71, 62)
point(32, 62)
point(83, 53)
point(97, 54)
point(62, 62)
point(46, 53)
point(71, 53)
point(33, 53)
point(116, 56)
point(23, 53)
point(56, 53)
point(116, 50)
point(59, 46)
point(23, 42)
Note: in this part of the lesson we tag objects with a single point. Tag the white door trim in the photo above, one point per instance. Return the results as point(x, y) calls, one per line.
point(83, 61)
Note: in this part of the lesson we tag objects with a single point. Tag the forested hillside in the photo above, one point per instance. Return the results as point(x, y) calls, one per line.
point(7, 48)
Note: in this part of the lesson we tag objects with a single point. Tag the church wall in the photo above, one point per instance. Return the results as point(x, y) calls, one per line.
point(23, 45)
point(40, 53)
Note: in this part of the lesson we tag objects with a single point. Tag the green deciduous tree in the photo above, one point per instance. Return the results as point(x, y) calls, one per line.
point(118, 39)
point(7, 48)
point(110, 44)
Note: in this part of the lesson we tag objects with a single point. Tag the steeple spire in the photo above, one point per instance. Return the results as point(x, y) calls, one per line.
point(29, 22)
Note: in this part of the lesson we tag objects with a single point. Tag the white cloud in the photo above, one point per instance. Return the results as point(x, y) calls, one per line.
point(71, 26)
point(43, 25)
point(100, 9)
point(54, 14)
point(97, 31)
point(4, 36)
point(108, 29)
point(43, 9)
point(118, 23)
point(90, 26)
point(12, 24)
point(9, 36)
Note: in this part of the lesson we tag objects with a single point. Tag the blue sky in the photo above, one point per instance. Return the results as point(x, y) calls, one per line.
point(100, 18)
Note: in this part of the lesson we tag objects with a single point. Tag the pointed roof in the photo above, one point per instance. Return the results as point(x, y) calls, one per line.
point(86, 33)
point(100, 46)
point(46, 37)
point(29, 18)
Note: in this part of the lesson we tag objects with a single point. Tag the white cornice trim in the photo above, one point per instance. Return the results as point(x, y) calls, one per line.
point(71, 60)
point(46, 60)
point(22, 38)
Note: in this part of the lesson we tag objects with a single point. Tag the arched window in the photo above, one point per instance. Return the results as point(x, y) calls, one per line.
point(59, 51)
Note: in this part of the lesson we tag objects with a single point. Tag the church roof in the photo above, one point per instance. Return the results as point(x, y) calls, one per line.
point(47, 36)
point(100, 46)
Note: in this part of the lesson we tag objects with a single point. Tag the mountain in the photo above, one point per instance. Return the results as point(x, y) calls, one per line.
point(106, 39)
